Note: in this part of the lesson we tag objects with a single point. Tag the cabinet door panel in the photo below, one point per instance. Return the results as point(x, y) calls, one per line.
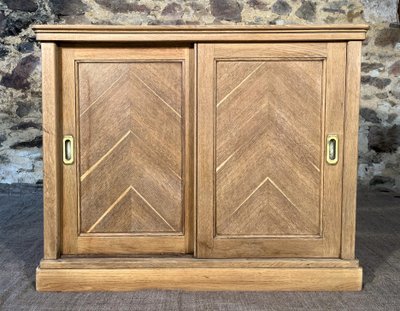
point(130, 118)
point(130, 138)
point(264, 187)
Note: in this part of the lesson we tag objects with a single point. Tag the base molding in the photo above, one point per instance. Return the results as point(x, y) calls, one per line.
point(203, 275)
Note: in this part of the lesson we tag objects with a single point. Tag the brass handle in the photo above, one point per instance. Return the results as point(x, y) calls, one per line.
point(68, 149)
point(332, 149)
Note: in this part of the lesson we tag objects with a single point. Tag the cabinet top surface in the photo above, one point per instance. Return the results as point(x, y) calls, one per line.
point(210, 33)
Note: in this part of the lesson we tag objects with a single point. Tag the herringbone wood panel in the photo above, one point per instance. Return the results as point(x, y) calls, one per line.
point(268, 137)
point(130, 147)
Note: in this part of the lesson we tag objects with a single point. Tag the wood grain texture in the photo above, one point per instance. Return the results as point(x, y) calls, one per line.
point(243, 279)
point(132, 152)
point(70, 188)
point(350, 152)
point(262, 145)
point(272, 50)
point(190, 262)
point(216, 28)
point(269, 128)
point(216, 33)
point(131, 137)
point(51, 151)
point(334, 121)
point(205, 152)
point(249, 180)
point(190, 143)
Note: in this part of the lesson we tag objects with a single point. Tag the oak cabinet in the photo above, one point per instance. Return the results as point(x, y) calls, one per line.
point(207, 158)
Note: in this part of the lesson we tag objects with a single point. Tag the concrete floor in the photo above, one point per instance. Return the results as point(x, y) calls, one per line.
point(378, 249)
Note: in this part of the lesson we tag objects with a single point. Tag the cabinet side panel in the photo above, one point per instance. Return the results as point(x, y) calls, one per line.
point(51, 178)
point(350, 149)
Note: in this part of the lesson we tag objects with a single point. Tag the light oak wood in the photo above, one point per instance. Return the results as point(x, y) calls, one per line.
point(264, 187)
point(261, 143)
point(200, 157)
point(131, 128)
point(190, 262)
point(350, 152)
point(215, 28)
point(51, 151)
point(271, 50)
point(205, 153)
point(190, 198)
point(209, 279)
point(235, 33)
point(70, 187)
point(129, 110)
point(335, 98)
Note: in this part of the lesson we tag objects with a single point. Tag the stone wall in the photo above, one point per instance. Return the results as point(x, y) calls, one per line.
point(20, 90)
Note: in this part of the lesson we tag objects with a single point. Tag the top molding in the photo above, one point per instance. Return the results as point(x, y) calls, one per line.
point(212, 33)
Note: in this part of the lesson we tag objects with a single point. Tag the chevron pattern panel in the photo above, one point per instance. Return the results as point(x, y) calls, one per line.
point(130, 126)
point(268, 154)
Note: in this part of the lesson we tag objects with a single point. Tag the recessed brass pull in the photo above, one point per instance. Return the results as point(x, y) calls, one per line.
point(68, 149)
point(332, 149)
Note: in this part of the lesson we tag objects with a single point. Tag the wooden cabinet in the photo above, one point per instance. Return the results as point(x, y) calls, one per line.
point(202, 158)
